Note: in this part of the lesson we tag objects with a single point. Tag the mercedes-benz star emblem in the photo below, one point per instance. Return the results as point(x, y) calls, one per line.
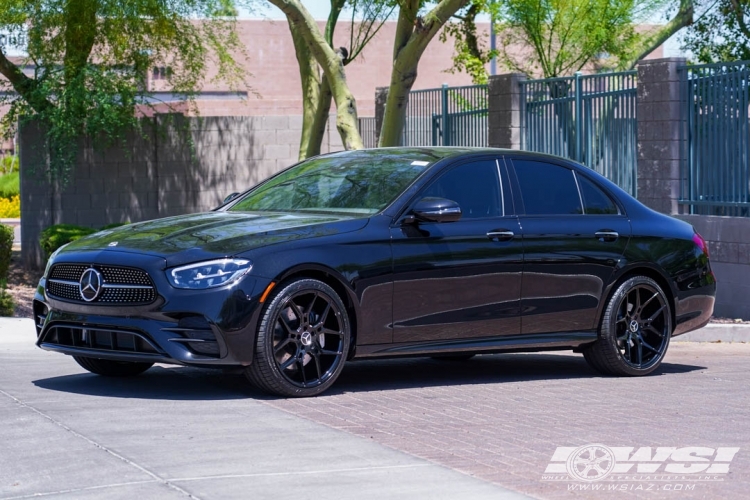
point(91, 284)
point(634, 326)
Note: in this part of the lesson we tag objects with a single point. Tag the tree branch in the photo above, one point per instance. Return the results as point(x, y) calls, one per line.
point(22, 84)
point(682, 19)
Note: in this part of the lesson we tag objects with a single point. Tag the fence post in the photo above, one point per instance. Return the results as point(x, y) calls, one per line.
point(658, 110)
point(505, 123)
point(381, 96)
point(444, 109)
point(579, 118)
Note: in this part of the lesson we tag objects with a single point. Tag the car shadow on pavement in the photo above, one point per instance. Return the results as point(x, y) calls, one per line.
point(377, 375)
point(173, 383)
point(183, 383)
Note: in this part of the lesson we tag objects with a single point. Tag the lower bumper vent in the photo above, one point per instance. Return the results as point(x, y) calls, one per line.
point(98, 339)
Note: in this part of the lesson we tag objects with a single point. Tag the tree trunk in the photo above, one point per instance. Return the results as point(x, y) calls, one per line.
point(320, 119)
point(310, 77)
point(301, 21)
point(413, 34)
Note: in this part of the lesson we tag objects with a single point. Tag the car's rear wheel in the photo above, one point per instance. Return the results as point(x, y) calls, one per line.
point(635, 330)
point(303, 340)
point(109, 368)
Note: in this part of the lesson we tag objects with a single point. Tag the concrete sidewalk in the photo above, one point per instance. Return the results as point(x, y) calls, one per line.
point(185, 433)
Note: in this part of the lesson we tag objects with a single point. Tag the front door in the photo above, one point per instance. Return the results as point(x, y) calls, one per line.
point(460, 280)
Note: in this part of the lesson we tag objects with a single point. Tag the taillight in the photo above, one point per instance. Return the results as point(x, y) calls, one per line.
point(701, 243)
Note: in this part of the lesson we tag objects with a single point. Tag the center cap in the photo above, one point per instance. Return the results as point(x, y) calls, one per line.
point(634, 326)
point(306, 338)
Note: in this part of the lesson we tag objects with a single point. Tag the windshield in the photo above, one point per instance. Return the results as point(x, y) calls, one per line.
point(354, 182)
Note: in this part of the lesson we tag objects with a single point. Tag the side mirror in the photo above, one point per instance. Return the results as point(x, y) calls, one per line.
point(436, 210)
point(231, 197)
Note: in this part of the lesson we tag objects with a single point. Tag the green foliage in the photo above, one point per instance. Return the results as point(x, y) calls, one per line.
point(9, 185)
point(91, 60)
point(58, 235)
point(721, 32)
point(9, 164)
point(6, 249)
point(7, 304)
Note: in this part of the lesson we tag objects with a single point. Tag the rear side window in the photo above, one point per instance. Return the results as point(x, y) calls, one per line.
point(595, 201)
point(547, 189)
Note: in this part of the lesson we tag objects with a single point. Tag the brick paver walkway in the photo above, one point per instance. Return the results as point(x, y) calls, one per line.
point(501, 417)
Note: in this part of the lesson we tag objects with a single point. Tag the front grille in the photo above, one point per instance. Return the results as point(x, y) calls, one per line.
point(93, 338)
point(121, 285)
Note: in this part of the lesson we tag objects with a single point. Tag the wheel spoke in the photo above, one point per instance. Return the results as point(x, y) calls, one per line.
point(654, 331)
point(282, 345)
point(328, 331)
point(316, 357)
point(297, 312)
point(649, 300)
point(637, 301)
point(286, 326)
point(648, 346)
point(302, 371)
point(324, 315)
point(312, 303)
point(639, 351)
point(331, 353)
point(657, 313)
point(289, 362)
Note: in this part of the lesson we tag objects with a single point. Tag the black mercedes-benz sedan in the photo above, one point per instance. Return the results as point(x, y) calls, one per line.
point(442, 252)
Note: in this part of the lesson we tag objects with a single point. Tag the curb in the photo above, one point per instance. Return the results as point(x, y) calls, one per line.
point(717, 332)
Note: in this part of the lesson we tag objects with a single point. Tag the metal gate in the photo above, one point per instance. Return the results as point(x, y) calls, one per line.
point(448, 116)
point(588, 118)
point(715, 167)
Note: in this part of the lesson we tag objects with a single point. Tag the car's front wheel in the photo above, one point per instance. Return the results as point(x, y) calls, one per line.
point(303, 340)
point(109, 368)
point(635, 330)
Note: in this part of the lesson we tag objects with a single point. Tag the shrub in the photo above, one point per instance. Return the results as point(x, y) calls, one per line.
point(6, 249)
point(9, 164)
point(10, 185)
point(10, 208)
point(56, 236)
point(7, 304)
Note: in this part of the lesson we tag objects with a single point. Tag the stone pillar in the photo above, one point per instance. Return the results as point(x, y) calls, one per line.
point(381, 95)
point(659, 117)
point(505, 111)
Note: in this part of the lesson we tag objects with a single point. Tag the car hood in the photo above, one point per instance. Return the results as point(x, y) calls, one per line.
point(188, 238)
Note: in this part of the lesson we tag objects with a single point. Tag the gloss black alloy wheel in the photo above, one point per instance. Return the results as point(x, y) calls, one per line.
point(303, 340)
point(635, 330)
point(109, 368)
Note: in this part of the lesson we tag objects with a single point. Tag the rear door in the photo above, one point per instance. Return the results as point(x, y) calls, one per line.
point(574, 235)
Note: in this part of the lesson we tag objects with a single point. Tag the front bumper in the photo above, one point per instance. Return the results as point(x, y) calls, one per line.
point(214, 327)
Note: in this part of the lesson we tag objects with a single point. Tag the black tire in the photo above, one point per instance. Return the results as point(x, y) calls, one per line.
point(303, 340)
point(635, 330)
point(453, 357)
point(109, 368)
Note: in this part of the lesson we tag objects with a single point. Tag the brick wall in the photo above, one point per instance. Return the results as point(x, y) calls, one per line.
point(158, 175)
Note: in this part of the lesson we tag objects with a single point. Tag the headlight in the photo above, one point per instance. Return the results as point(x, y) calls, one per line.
point(208, 274)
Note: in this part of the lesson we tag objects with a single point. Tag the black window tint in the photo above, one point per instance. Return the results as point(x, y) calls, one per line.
point(594, 199)
point(474, 186)
point(547, 189)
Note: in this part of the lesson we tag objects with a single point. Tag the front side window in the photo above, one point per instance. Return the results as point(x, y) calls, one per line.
point(353, 182)
point(474, 186)
point(547, 189)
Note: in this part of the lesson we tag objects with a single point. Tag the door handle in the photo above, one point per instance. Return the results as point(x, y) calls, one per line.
point(500, 235)
point(606, 235)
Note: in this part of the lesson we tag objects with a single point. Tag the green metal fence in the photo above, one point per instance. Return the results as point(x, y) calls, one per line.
point(715, 166)
point(588, 118)
point(367, 131)
point(447, 116)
